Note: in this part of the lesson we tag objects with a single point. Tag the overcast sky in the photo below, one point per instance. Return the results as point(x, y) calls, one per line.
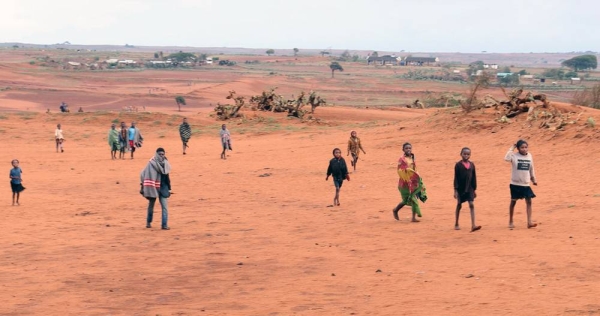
point(383, 25)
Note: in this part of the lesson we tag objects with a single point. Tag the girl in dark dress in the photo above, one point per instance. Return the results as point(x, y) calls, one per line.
point(465, 186)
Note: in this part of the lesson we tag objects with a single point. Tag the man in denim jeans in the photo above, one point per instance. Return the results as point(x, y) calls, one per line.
point(155, 183)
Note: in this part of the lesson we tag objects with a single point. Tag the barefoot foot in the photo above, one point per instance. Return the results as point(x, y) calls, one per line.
point(396, 215)
point(475, 228)
point(414, 220)
point(511, 225)
point(532, 225)
point(456, 227)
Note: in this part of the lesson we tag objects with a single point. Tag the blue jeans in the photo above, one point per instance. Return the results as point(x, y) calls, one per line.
point(165, 213)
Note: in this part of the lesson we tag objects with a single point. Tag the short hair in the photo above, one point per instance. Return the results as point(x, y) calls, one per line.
point(333, 152)
point(406, 144)
point(160, 149)
point(464, 148)
point(520, 143)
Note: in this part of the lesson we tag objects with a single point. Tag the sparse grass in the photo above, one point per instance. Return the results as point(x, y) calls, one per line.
point(591, 122)
point(3, 117)
point(571, 206)
point(115, 121)
point(27, 115)
point(85, 135)
point(156, 123)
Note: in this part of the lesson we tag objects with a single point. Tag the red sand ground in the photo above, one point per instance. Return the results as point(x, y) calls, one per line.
point(241, 244)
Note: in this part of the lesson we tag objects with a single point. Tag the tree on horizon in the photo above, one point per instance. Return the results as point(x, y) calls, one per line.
point(296, 50)
point(270, 51)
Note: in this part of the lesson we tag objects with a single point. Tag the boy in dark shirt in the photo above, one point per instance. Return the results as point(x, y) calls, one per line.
point(338, 169)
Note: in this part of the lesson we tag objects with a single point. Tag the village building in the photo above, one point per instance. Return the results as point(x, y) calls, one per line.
point(490, 66)
point(383, 60)
point(419, 61)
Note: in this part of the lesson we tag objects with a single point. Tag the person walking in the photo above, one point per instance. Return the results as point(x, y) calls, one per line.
point(135, 138)
point(156, 184)
point(113, 141)
point(58, 136)
point(185, 132)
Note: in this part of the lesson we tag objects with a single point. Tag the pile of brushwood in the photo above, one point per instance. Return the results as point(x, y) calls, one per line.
point(273, 102)
point(536, 106)
point(227, 111)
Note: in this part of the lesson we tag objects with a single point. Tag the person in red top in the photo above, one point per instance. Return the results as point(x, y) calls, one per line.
point(465, 186)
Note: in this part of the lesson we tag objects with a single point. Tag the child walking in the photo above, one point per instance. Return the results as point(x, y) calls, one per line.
point(225, 140)
point(465, 186)
point(338, 169)
point(58, 136)
point(410, 184)
point(522, 174)
point(15, 182)
point(354, 145)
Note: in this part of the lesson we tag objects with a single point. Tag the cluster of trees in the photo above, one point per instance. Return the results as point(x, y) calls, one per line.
point(227, 62)
point(559, 74)
point(583, 62)
point(346, 56)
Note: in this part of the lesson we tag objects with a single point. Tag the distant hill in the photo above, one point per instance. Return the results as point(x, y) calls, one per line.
point(502, 59)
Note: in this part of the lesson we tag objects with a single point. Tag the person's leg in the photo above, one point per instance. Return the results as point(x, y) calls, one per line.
point(397, 208)
point(458, 207)
point(223, 156)
point(57, 143)
point(184, 146)
point(151, 202)
point(511, 211)
point(530, 223)
point(474, 227)
point(165, 212)
point(337, 195)
point(132, 151)
point(14, 195)
point(61, 145)
point(18, 195)
point(414, 213)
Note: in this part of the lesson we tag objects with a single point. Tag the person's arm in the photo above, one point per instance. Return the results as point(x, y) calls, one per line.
point(474, 180)
point(328, 171)
point(510, 154)
point(344, 169)
point(360, 146)
point(532, 172)
point(349, 147)
point(456, 181)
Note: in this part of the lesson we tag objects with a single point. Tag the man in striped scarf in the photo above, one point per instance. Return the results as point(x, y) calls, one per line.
point(156, 183)
point(185, 132)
